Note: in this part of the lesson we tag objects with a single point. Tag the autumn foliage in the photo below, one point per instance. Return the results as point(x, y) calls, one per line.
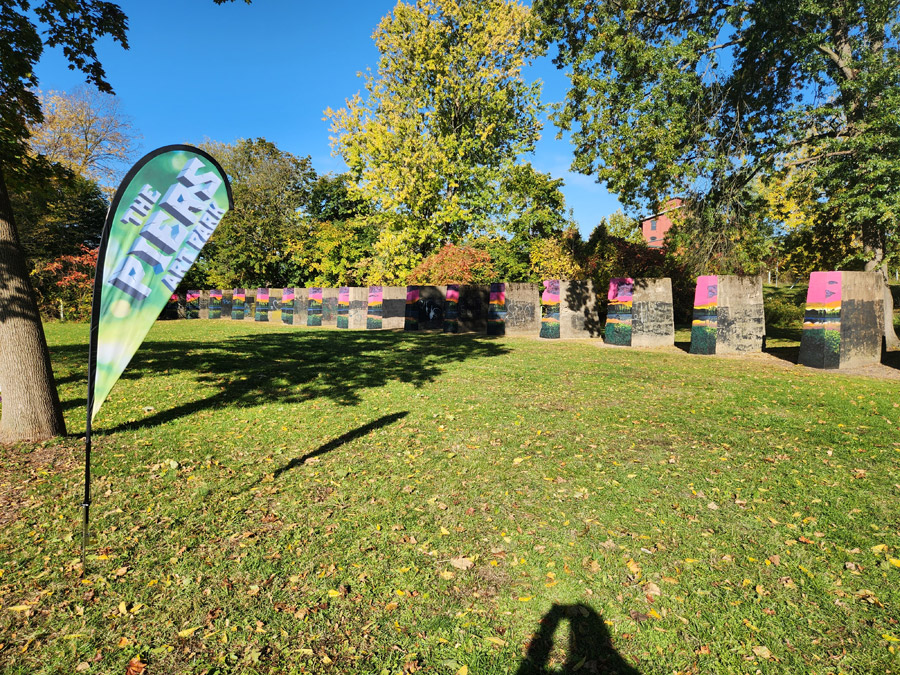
point(455, 265)
point(68, 280)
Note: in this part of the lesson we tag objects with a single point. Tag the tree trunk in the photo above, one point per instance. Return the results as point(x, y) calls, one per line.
point(31, 409)
point(874, 237)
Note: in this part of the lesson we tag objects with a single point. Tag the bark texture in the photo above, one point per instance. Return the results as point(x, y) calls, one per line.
point(31, 409)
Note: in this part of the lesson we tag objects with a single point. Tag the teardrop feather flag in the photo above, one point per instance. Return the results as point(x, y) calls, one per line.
point(166, 209)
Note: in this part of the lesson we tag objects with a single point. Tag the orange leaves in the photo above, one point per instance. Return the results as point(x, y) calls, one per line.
point(135, 666)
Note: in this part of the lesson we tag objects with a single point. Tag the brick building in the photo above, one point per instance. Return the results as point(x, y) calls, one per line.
point(654, 227)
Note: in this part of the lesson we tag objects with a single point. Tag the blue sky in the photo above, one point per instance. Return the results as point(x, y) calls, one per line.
point(196, 70)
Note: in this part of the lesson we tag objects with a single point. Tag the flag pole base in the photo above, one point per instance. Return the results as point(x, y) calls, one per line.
point(86, 507)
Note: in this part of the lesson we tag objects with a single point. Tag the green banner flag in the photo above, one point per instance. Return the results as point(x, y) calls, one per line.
point(163, 213)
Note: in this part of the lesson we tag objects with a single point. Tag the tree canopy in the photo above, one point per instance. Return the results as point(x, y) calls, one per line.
point(698, 98)
point(443, 121)
point(270, 187)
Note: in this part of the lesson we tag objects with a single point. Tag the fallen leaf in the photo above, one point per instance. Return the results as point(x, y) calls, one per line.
point(461, 563)
point(446, 574)
point(496, 641)
point(464, 670)
point(652, 589)
point(135, 666)
point(633, 567)
point(187, 632)
point(762, 652)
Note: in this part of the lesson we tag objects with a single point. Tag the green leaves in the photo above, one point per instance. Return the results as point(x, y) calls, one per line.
point(442, 123)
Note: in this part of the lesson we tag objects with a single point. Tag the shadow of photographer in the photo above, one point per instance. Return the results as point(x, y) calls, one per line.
point(590, 648)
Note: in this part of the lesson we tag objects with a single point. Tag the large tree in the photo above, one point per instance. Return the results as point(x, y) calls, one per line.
point(701, 97)
point(444, 118)
point(85, 131)
point(270, 188)
point(31, 408)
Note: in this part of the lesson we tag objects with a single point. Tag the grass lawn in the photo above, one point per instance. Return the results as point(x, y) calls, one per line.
point(276, 500)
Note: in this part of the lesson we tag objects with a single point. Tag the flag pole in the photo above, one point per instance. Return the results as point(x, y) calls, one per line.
point(92, 371)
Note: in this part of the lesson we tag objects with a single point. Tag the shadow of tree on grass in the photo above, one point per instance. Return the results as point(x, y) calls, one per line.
point(284, 367)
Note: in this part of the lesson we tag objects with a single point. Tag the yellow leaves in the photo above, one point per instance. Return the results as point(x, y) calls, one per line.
point(332, 593)
point(19, 608)
point(464, 670)
point(880, 548)
point(496, 641)
point(633, 567)
point(445, 532)
point(187, 632)
point(654, 614)
point(890, 638)
point(894, 562)
point(525, 598)
point(761, 591)
point(123, 642)
point(446, 575)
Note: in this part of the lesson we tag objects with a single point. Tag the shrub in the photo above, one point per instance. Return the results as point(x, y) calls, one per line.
point(454, 265)
point(779, 312)
point(64, 286)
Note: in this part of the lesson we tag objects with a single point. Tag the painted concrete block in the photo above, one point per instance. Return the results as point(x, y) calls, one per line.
point(301, 304)
point(640, 313)
point(523, 309)
point(375, 308)
point(728, 315)
point(579, 312)
point(451, 309)
point(204, 305)
point(393, 310)
point(844, 320)
point(214, 304)
point(288, 299)
point(550, 309)
point(473, 307)
point(343, 307)
point(358, 306)
point(329, 307)
point(227, 295)
point(261, 312)
point(250, 304)
point(238, 304)
point(425, 307)
point(314, 306)
point(275, 296)
point(496, 318)
point(192, 305)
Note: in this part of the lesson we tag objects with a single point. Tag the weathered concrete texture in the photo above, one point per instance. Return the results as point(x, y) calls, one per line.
point(473, 308)
point(652, 317)
point(275, 304)
point(393, 307)
point(250, 305)
point(579, 311)
point(301, 305)
point(204, 304)
point(431, 307)
point(741, 323)
point(523, 309)
point(329, 307)
point(862, 318)
point(359, 304)
point(227, 296)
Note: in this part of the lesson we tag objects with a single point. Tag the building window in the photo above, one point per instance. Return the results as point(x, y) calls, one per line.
point(652, 238)
point(653, 225)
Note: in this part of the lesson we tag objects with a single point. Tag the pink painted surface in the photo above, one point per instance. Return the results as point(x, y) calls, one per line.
point(550, 296)
point(453, 293)
point(412, 295)
point(375, 295)
point(707, 293)
point(621, 289)
point(824, 290)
